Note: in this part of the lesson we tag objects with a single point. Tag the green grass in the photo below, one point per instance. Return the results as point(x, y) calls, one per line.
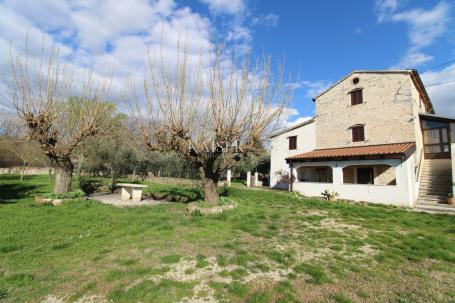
point(132, 254)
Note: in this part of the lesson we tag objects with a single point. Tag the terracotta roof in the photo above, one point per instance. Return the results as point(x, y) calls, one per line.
point(396, 150)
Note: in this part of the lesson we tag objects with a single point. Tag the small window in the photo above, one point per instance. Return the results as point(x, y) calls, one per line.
point(355, 80)
point(358, 133)
point(292, 142)
point(356, 97)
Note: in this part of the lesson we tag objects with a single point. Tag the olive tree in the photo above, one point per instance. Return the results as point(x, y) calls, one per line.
point(39, 89)
point(210, 111)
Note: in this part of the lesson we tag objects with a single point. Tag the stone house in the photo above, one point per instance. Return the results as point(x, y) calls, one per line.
point(374, 137)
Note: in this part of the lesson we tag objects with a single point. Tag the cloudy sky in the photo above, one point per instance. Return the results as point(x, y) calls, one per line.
point(319, 41)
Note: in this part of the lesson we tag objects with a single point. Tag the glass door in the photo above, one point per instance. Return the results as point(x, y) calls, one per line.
point(436, 139)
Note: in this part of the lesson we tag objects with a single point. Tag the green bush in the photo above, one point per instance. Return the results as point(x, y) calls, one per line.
point(224, 190)
point(89, 186)
point(68, 195)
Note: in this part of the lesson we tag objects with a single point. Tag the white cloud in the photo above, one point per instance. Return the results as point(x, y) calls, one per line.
point(298, 121)
point(103, 35)
point(412, 59)
point(113, 37)
point(385, 8)
point(442, 96)
point(358, 31)
point(269, 20)
point(425, 26)
point(314, 88)
point(225, 6)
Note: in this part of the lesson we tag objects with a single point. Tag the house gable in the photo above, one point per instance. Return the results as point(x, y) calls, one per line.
point(386, 109)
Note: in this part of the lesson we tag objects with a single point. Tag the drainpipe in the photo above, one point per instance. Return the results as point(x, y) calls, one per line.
point(291, 185)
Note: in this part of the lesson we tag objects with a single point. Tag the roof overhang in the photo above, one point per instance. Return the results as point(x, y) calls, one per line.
point(399, 151)
point(425, 116)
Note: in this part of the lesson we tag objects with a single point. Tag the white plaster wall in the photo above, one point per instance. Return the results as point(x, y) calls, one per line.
point(280, 149)
point(402, 194)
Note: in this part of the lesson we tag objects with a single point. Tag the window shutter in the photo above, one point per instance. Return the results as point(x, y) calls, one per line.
point(354, 134)
point(358, 133)
point(356, 97)
point(293, 142)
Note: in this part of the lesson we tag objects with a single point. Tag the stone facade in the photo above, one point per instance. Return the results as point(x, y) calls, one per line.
point(389, 111)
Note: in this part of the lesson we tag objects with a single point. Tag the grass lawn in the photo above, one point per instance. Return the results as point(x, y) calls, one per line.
point(274, 247)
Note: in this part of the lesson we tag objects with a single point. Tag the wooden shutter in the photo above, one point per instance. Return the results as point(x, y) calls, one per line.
point(293, 142)
point(358, 133)
point(356, 97)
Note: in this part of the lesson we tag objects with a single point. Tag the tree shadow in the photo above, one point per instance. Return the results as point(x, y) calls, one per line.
point(15, 191)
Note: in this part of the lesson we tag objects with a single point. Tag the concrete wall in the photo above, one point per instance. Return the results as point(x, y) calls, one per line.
point(404, 193)
point(389, 111)
point(280, 149)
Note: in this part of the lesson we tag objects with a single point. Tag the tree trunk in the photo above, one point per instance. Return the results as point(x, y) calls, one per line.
point(63, 176)
point(113, 180)
point(211, 194)
point(23, 171)
point(209, 183)
point(50, 175)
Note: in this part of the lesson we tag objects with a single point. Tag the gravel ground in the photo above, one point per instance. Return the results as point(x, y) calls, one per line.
point(114, 199)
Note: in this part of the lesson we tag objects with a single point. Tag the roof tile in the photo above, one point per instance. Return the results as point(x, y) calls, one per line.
point(357, 151)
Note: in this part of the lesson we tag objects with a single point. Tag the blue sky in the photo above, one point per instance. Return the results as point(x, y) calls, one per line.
point(320, 41)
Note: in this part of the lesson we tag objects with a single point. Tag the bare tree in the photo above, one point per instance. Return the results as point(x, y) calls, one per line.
point(211, 112)
point(39, 90)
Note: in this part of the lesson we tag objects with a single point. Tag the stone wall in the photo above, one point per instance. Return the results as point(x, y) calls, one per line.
point(388, 112)
point(28, 171)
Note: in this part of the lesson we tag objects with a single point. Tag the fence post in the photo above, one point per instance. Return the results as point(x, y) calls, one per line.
point(228, 177)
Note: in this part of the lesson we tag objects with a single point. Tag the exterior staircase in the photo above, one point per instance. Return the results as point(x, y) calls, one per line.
point(435, 185)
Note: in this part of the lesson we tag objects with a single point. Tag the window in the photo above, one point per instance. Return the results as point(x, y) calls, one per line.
point(365, 175)
point(319, 174)
point(356, 97)
point(292, 142)
point(355, 81)
point(358, 133)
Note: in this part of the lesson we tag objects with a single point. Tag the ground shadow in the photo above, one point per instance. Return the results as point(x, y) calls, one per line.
point(15, 191)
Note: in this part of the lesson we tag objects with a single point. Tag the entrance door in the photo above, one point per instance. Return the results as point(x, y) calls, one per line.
point(436, 139)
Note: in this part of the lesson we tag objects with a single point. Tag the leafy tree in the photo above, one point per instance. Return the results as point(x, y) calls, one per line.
point(112, 156)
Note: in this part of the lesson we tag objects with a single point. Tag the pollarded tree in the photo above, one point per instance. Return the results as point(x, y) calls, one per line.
point(210, 111)
point(39, 91)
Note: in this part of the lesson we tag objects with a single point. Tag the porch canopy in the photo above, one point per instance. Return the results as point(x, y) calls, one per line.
point(368, 152)
point(376, 173)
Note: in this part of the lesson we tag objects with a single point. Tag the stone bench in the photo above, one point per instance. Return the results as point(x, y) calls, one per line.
point(131, 191)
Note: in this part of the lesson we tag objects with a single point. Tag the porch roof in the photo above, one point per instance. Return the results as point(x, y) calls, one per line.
point(383, 151)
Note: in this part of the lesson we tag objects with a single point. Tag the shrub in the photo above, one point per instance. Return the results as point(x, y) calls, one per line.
point(224, 190)
point(89, 186)
point(68, 195)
